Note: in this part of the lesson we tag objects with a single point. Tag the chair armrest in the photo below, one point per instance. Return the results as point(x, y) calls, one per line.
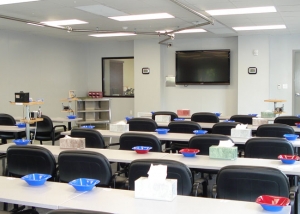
point(60, 126)
point(294, 199)
point(204, 183)
point(214, 191)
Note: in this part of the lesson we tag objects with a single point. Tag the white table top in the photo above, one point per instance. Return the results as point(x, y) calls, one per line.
point(11, 129)
point(62, 119)
point(49, 196)
point(174, 136)
point(100, 199)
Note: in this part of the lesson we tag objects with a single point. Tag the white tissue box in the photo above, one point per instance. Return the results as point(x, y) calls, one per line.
point(259, 121)
point(72, 143)
point(119, 127)
point(146, 189)
point(245, 133)
point(227, 153)
point(163, 118)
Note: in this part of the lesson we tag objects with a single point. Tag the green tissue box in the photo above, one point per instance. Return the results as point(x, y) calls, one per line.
point(267, 114)
point(227, 153)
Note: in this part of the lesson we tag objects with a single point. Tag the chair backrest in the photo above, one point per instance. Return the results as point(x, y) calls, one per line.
point(84, 164)
point(183, 126)
point(23, 160)
point(172, 114)
point(203, 142)
point(288, 120)
point(93, 138)
point(268, 147)
point(245, 119)
point(6, 119)
point(129, 140)
point(44, 126)
point(246, 183)
point(142, 124)
point(274, 130)
point(224, 128)
point(176, 170)
point(205, 117)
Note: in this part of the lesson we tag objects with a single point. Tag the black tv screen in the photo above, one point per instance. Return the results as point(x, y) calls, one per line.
point(202, 67)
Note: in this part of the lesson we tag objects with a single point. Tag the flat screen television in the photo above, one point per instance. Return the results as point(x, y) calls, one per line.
point(203, 67)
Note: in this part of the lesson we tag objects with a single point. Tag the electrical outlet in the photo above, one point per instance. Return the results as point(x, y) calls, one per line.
point(130, 112)
point(284, 86)
point(279, 87)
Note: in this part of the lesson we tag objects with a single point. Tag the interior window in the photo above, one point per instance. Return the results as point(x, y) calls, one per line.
point(118, 77)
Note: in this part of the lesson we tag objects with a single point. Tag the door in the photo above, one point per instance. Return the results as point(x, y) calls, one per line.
point(296, 97)
point(116, 78)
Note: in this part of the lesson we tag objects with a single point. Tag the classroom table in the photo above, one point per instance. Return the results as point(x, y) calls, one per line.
point(123, 201)
point(12, 129)
point(173, 136)
point(62, 119)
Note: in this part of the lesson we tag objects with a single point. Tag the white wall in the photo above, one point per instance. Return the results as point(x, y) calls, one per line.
point(253, 89)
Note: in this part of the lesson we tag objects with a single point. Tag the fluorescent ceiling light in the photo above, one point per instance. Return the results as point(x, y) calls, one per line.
point(2, 2)
point(112, 34)
point(192, 31)
point(249, 10)
point(142, 17)
point(35, 24)
point(64, 22)
point(266, 27)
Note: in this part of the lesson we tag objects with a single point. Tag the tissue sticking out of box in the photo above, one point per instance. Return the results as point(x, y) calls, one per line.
point(241, 126)
point(122, 122)
point(226, 143)
point(157, 173)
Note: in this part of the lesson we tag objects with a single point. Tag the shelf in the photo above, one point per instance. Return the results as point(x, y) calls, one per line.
point(93, 122)
point(69, 99)
point(31, 121)
point(96, 110)
point(275, 101)
point(27, 104)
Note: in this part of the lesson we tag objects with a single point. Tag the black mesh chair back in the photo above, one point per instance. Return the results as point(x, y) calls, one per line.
point(274, 130)
point(176, 170)
point(23, 160)
point(245, 119)
point(205, 117)
point(203, 142)
point(8, 120)
point(71, 211)
point(45, 130)
point(93, 138)
point(288, 120)
point(246, 183)
point(183, 126)
point(84, 164)
point(172, 114)
point(130, 140)
point(268, 147)
point(224, 127)
point(142, 124)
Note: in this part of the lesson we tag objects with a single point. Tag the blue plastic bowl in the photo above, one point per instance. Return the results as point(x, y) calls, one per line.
point(88, 127)
point(142, 149)
point(162, 131)
point(128, 118)
point(179, 119)
point(288, 159)
point(271, 208)
point(21, 125)
point(36, 179)
point(198, 132)
point(231, 121)
point(272, 203)
point(290, 136)
point(218, 114)
point(21, 142)
point(253, 115)
point(189, 152)
point(71, 116)
point(84, 184)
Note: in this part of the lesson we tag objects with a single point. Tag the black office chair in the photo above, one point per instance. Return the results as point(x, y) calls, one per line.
point(246, 183)
point(182, 127)
point(72, 211)
point(8, 120)
point(205, 117)
point(172, 114)
point(24, 160)
point(288, 120)
point(224, 127)
point(274, 130)
point(84, 164)
point(245, 119)
point(268, 147)
point(93, 138)
point(175, 170)
point(45, 131)
point(142, 124)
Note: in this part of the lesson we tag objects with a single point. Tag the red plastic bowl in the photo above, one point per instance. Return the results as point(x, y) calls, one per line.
point(142, 149)
point(272, 203)
point(298, 125)
point(288, 159)
point(189, 152)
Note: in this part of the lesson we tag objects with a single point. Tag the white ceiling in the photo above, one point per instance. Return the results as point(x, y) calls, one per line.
point(288, 13)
